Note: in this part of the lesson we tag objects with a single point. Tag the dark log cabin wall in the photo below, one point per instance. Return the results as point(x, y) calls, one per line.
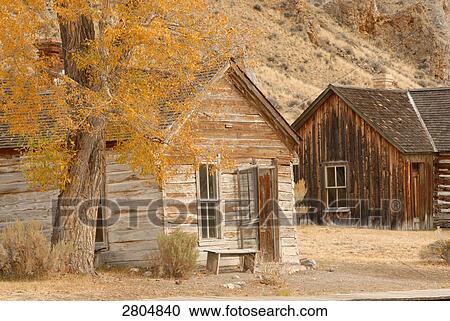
point(378, 174)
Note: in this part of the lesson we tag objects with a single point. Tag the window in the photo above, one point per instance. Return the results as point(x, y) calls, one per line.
point(296, 169)
point(336, 186)
point(209, 202)
point(248, 194)
point(100, 228)
point(101, 240)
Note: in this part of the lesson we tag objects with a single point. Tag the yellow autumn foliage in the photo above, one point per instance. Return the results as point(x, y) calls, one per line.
point(142, 58)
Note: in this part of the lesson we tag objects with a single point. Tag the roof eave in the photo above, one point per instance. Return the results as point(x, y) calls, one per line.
point(304, 116)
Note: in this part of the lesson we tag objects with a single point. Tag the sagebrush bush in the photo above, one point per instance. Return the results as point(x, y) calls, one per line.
point(300, 191)
point(178, 254)
point(273, 274)
point(26, 253)
point(439, 250)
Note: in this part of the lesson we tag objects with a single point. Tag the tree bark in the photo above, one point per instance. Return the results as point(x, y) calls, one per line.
point(77, 207)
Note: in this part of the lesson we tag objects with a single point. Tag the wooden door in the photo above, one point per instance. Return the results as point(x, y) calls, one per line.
point(266, 215)
point(417, 203)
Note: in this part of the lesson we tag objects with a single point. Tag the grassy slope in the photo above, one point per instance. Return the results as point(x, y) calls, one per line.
point(292, 70)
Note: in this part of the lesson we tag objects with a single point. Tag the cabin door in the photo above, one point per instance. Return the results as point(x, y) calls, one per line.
point(268, 232)
point(417, 200)
point(258, 213)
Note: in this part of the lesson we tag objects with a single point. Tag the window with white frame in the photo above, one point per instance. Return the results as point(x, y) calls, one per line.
point(209, 202)
point(336, 186)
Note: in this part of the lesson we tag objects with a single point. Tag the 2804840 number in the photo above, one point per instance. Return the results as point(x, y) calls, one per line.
point(152, 310)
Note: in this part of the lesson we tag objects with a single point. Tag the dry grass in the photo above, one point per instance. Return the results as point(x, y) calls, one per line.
point(437, 251)
point(349, 260)
point(354, 245)
point(26, 253)
point(273, 274)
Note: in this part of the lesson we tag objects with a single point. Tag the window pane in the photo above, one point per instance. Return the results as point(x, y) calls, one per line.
point(212, 220)
point(203, 182)
point(212, 182)
point(204, 219)
point(252, 190)
point(332, 197)
point(330, 177)
point(340, 173)
point(342, 193)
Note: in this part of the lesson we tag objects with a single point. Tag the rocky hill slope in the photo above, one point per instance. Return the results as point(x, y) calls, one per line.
point(300, 46)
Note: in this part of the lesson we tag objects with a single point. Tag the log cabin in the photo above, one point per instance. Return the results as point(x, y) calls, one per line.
point(249, 206)
point(376, 158)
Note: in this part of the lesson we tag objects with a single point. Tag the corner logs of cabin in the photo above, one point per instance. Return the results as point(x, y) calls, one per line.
point(442, 190)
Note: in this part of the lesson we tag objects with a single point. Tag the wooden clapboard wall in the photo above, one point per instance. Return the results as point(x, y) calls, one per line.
point(134, 226)
point(131, 237)
point(19, 200)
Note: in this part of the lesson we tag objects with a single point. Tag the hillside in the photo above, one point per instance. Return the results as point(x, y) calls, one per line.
point(300, 46)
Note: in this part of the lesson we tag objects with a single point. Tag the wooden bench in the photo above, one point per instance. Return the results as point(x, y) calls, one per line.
point(248, 263)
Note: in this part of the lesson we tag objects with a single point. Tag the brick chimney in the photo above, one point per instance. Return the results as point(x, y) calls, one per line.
point(383, 81)
point(51, 47)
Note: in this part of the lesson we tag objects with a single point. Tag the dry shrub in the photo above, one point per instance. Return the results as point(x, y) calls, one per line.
point(26, 253)
point(154, 267)
point(439, 250)
point(178, 254)
point(300, 191)
point(273, 274)
point(60, 256)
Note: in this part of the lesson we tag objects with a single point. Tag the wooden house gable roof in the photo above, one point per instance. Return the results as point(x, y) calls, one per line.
point(268, 111)
point(390, 112)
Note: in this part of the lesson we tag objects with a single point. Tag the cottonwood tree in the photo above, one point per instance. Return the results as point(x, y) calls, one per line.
point(122, 60)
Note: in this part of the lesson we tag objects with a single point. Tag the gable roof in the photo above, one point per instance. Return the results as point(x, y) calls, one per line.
point(434, 108)
point(250, 91)
point(173, 120)
point(393, 113)
point(243, 83)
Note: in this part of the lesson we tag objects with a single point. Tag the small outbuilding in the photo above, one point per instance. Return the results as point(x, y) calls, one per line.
point(376, 157)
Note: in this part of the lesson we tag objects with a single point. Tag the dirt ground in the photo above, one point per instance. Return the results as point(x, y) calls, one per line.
point(348, 261)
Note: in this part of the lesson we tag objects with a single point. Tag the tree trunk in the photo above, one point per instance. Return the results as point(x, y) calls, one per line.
point(74, 223)
point(77, 209)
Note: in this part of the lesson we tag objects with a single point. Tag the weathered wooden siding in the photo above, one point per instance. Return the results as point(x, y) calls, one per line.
point(227, 119)
point(18, 200)
point(442, 190)
point(133, 224)
point(378, 173)
point(132, 234)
